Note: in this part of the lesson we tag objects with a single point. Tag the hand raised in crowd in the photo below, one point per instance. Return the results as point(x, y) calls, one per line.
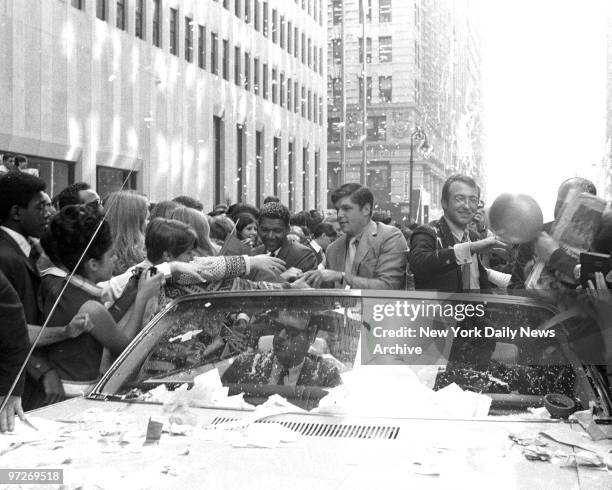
point(544, 247)
point(266, 263)
point(486, 244)
point(317, 277)
point(149, 285)
point(81, 323)
point(7, 416)
point(600, 294)
point(54, 390)
point(292, 274)
point(301, 283)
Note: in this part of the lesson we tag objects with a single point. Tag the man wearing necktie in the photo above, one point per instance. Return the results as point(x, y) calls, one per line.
point(444, 254)
point(369, 255)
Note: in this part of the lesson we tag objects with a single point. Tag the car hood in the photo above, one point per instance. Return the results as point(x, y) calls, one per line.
point(101, 443)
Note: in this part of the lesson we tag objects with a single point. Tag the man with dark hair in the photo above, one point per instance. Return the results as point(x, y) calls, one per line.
point(444, 255)
point(273, 230)
point(324, 234)
point(368, 255)
point(189, 202)
point(271, 199)
point(77, 193)
point(558, 261)
point(240, 208)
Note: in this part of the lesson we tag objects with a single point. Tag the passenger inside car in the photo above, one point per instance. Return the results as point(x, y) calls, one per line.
point(288, 363)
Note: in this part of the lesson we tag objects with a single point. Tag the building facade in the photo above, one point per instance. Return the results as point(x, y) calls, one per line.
point(219, 100)
point(422, 70)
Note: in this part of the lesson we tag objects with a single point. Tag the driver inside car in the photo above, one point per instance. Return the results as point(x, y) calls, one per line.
point(288, 363)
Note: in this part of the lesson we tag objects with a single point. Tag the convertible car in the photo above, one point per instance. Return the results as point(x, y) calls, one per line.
point(338, 389)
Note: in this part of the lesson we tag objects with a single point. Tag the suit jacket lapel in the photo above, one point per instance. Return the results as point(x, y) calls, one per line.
point(362, 250)
point(18, 251)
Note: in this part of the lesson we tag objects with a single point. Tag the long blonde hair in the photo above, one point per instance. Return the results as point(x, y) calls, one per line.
point(198, 221)
point(126, 213)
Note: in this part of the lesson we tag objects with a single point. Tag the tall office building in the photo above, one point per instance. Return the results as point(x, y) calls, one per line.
point(607, 164)
point(220, 100)
point(422, 70)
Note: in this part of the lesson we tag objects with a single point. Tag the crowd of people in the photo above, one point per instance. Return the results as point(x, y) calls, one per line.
point(94, 271)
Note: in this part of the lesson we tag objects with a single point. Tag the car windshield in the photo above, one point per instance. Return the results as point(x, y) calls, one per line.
point(354, 352)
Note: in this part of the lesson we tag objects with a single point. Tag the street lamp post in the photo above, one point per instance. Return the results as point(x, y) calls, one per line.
point(419, 134)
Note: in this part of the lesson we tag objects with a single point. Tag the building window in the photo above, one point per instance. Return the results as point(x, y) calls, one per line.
point(240, 163)
point(101, 9)
point(417, 57)
point(274, 85)
point(309, 105)
point(202, 46)
point(174, 31)
point(282, 32)
point(289, 94)
point(282, 90)
point(237, 8)
point(226, 4)
point(247, 71)
point(139, 20)
point(274, 26)
point(321, 111)
point(367, 4)
point(309, 53)
point(189, 39)
point(265, 81)
point(109, 179)
point(385, 89)
point(321, 61)
point(336, 89)
point(289, 37)
point(237, 67)
point(77, 4)
point(225, 60)
point(157, 22)
point(214, 65)
point(121, 14)
point(276, 144)
point(247, 11)
point(368, 50)
point(369, 90)
point(385, 53)
point(333, 130)
point(296, 97)
point(337, 12)
point(377, 128)
point(337, 51)
point(303, 101)
point(256, 76)
point(256, 15)
point(265, 19)
point(317, 169)
point(315, 63)
point(259, 166)
point(296, 43)
point(219, 156)
point(305, 190)
point(384, 11)
point(57, 174)
point(303, 48)
point(290, 177)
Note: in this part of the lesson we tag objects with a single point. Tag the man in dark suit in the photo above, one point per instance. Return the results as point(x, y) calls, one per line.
point(25, 210)
point(273, 229)
point(288, 363)
point(368, 255)
point(14, 348)
point(444, 255)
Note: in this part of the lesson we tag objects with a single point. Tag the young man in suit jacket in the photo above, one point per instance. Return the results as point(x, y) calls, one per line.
point(273, 229)
point(444, 254)
point(368, 255)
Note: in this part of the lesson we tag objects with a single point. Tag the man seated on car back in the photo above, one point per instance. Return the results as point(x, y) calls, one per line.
point(288, 363)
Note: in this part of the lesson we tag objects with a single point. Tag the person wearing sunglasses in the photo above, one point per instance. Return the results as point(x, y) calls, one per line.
point(288, 362)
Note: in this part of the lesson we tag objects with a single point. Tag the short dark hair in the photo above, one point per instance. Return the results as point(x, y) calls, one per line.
point(275, 210)
point(69, 233)
point(189, 202)
point(271, 199)
point(70, 195)
point(238, 208)
point(18, 188)
point(19, 159)
point(466, 179)
point(301, 218)
point(243, 220)
point(324, 229)
point(220, 227)
point(168, 235)
point(359, 194)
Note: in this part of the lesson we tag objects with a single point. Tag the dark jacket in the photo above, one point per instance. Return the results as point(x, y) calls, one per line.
point(432, 259)
point(14, 342)
point(294, 255)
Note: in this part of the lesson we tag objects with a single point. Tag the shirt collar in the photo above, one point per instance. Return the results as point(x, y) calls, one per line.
point(370, 228)
point(315, 246)
point(22, 241)
point(457, 232)
point(293, 373)
point(75, 280)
